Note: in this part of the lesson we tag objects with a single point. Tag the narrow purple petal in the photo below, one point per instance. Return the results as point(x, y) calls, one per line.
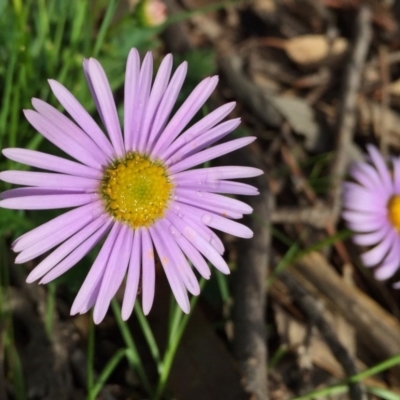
point(49, 180)
point(365, 226)
point(210, 154)
point(132, 280)
point(106, 104)
point(141, 100)
point(205, 140)
point(227, 226)
point(115, 272)
point(157, 92)
point(362, 200)
point(66, 248)
point(205, 199)
point(53, 226)
point(213, 174)
point(376, 254)
point(217, 222)
point(204, 247)
point(35, 191)
point(93, 280)
point(174, 279)
point(365, 174)
point(369, 239)
point(206, 123)
point(179, 261)
point(131, 86)
point(381, 167)
point(166, 104)
point(52, 163)
point(396, 175)
point(362, 216)
point(75, 256)
point(227, 187)
point(50, 202)
point(191, 253)
point(66, 125)
point(194, 216)
point(148, 272)
point(206, 206)
point(391, 263)
point(186, 112)
point(82, 117)
point(47, 243)
point(61, 139)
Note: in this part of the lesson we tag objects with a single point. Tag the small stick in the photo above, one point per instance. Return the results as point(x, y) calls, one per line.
point(250, 297)
point(347, 113)
point(308, 305)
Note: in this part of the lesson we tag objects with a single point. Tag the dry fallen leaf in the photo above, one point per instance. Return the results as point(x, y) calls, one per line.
point(312, 49)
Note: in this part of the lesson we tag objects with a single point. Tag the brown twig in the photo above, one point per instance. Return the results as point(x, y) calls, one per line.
point(307, 304)
point(247, 92)
point(3, 393)
point(347, 113)
point(317, 216)
point(375, 327)
point(250, 296)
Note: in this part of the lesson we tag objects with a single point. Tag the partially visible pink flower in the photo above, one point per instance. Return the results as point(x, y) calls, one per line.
point(372, 209)
point(153, 12)
point(142, 188)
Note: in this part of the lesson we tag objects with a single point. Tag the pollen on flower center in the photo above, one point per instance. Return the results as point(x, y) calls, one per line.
point(394, 211)
point(136, 190)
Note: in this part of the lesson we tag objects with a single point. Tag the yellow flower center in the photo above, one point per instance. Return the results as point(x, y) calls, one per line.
point(136, 190)
point(394, 211)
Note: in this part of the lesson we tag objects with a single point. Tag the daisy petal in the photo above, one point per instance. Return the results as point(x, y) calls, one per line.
point(66, 248)
point(205, 248)
point(179, 261)
point(48, 243)
point(57, 181)
point(198, 129)
point(191, 253)
point(210, 154)
point(106, 104)
point(82, 117)
point(185, 113)
point(157, 92)
point(381, 167)
point(205, 140)
point(75, 256)
point(391, 263)
point(114, 273)
point(148, 272)
point(226, 187)
point(141, 100)
point(174, 279)
point(92, 283)
point(376, 255)
point(166, 104)
point(131, 86)
point(57, 224)
point(50, 202)
point(213, 174)
point(66, 125)
point(52, 163)
point(61, 139)
point(132, 281)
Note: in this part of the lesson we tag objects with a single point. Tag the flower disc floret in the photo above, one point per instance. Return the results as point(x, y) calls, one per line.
point(394, 211)
point(136, 190)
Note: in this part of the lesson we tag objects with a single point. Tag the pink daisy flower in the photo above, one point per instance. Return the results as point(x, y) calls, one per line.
point(372, 210)
point(135, 188)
